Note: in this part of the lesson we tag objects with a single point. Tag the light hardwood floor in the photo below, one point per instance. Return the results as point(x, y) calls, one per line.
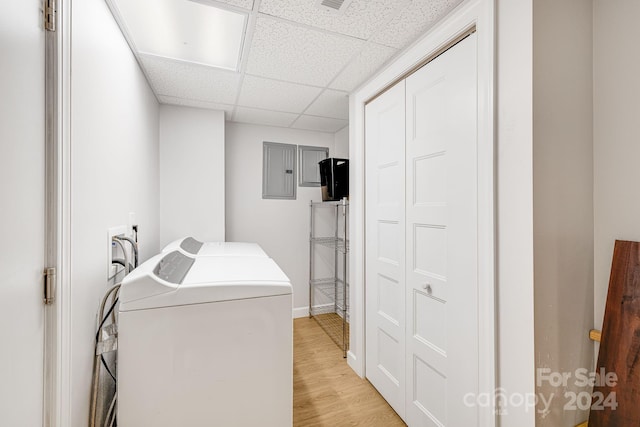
point(326, 392)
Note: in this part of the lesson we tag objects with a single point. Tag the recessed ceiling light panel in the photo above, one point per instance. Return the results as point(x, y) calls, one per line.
point(184, 30)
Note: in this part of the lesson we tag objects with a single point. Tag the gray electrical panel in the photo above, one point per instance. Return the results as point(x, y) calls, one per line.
point(278, 171)
point(309, 157)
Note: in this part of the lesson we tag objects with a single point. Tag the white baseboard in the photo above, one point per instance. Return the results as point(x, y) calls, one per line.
point(300, 312)
point(352, 362)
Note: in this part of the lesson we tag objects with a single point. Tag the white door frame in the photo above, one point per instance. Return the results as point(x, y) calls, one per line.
point(57, 364)
point(478, 14)
point(52, 216)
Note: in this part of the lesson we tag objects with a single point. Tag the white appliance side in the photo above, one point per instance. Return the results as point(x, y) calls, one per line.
point(227, 363)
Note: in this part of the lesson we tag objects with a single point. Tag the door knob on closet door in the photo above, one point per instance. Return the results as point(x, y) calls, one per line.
point(427, 287)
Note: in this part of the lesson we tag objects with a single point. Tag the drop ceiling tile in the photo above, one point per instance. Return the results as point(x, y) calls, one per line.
point(331, 103)
point(321, 124)
point(185, 30)
point(372, 57)
point(274, 95)
point(264, 117)
point(172, 100)
point(413, 21)
point(245, 4)
point(360, 19)
point(285, 51)
point(191, 81)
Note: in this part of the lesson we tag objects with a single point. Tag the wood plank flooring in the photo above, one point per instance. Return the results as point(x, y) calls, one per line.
point(326, 392)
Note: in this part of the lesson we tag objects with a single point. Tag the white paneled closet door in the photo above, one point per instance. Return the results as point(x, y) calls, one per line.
point(385, 230)
point(421, 160)
point(441, 239)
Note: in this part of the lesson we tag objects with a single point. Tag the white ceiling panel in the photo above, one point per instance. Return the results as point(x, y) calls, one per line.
point(413, 21)
point(245, 4)
point(321, 124)
point(331, 103)
point(372, 57)
point(190, 31)
point(264, 117)
point(172, 100)
point(274, 95)
point(301, 59)
point(360, 19)
point(289, 52)
point(189, 81)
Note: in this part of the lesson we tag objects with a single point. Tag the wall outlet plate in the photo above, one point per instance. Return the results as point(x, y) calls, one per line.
point(113, 249)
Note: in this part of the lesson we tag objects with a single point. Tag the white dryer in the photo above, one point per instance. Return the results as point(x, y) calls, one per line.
point(205, 342)
point(193, 247)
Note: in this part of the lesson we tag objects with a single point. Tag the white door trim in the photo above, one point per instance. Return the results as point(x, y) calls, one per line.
point(478, 14)
point(61, 387)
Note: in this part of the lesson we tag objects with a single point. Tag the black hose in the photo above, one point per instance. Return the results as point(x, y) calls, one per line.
point(121, 262)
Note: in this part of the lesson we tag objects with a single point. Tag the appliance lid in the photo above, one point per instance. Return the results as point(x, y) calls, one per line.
point(232, 269)
point(175, 279)
point(187, 245)
point(232, 249)
point(192, 247)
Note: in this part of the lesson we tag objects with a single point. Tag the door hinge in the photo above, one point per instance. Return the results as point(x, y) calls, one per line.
point(49, 285)
point(50, 15)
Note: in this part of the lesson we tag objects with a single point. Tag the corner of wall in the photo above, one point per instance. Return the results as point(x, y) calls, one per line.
point(341, 143)
point(563, 203)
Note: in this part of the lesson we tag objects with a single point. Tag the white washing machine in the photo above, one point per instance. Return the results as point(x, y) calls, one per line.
point(193, 247)
point(205, 342)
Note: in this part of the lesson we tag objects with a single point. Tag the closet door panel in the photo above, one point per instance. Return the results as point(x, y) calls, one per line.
point(385, 283)
point(441, 239)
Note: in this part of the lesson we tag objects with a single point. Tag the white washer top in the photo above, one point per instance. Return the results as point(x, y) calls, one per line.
point(171, 279)
point(192, 247)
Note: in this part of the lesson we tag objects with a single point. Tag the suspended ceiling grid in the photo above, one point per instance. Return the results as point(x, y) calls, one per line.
point(299, 62)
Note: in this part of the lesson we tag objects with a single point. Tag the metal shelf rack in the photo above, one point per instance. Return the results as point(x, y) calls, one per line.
point(329, 296)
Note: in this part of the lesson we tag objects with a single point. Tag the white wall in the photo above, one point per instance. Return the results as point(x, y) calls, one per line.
point(341, 142)
point(281, 227)
point(191, 174)
point(616, 129)
point(563, 197)
point(114, 171)
point(22, 212)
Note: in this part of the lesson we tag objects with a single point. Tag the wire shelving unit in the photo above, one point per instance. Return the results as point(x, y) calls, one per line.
point(329, 295)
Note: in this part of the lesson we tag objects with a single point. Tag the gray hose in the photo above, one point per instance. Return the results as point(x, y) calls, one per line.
point(134, 245)
point(96, 361)
point(118, 240)
point(111, 415)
